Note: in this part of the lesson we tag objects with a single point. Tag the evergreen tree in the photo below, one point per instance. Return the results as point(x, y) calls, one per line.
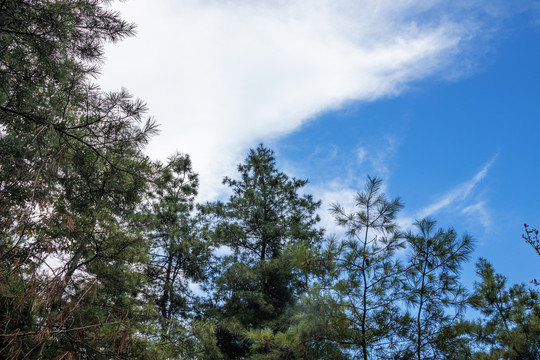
point(510, 327)
point(178, 253)
point(367, 277)
point(258, 284)
point(71, 176)
point(434, 292)
point(319, 329)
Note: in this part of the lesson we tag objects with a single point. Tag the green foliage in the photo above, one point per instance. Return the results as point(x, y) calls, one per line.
point(264, 216)
point(360, 288)
point(510, 327)
point(71, 178)
point(320, 328)
point(98, 246)
point(178, 252)
point(365, 275)
point(434, 292)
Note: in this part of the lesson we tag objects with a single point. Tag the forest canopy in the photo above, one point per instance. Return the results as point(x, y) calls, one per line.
point(100, 246)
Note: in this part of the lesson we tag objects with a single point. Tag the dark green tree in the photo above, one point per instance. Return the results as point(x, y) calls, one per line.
point(319, 328)
point(178, 254)
point(257, 284)
point(510, 327)
point(434, 293)
point(71, 177)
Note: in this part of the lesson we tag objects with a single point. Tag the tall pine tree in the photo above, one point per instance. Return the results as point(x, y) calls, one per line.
point(71, 175)
point(366, 277)
point(434, 294)
point(510, 326)
point(179, 254)
point(257, 284)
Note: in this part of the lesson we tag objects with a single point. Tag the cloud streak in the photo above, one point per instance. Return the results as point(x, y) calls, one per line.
point(479, 210)
point(459, 193)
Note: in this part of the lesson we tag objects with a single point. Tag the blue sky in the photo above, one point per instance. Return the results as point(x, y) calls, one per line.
point(432, 140)
point(440, 99)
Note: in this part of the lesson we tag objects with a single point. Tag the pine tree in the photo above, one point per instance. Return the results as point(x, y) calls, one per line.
point(71, 176)
point(367, 276)
point(434, 291)
point(510, 327)
point(257, 284)
point(178, 253)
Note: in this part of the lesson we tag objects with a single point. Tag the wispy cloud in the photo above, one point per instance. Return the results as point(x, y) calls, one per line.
point(331, 193)
point(458, 194)
point(221, 76)
point(480, 211)
point(464, 199)
point(376, 160)
point(351, 177)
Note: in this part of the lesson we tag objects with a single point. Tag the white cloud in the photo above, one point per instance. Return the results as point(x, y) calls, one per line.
point(460, 200)
point(458, 194)
point(376, 158)
point(361, 154)
point(343, 189)
point(463, 199)
point(221, 76)
point(480, 212)
point(332, 193)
